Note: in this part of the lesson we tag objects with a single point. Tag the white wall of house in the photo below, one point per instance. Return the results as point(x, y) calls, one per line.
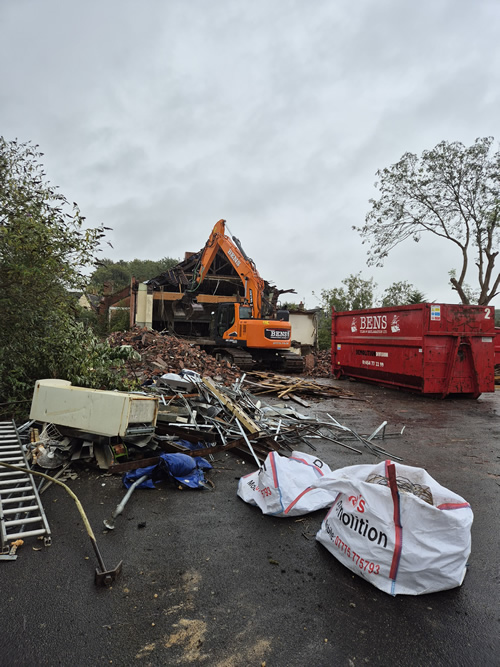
point(304, 327)
point(144, 307)
point(84, 302)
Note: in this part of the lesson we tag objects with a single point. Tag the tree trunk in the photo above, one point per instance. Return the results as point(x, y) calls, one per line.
point(458, 287)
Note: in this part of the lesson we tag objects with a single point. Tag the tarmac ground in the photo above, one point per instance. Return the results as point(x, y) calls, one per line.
point(209, 580)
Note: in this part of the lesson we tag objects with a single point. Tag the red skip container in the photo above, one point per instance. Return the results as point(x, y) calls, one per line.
point(433, 349)
point(497, 346)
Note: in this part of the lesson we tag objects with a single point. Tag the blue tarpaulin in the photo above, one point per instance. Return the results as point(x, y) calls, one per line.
point(187, 470)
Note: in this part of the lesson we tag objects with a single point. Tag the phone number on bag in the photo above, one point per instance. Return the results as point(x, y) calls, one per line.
point(362, 563)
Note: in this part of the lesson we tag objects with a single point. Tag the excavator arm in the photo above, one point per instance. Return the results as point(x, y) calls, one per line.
point(242, 264)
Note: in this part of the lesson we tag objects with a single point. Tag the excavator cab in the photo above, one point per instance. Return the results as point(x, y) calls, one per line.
point(236, 325)
point(229, 314)
point(251, 342)
point(224, 319)
point(245, 312)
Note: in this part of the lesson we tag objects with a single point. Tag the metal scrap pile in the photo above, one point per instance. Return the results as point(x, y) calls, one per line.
point(160, 354)
point(206, 417)
point(198, 416)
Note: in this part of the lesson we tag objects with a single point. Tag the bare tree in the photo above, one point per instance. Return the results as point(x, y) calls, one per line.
point(452, 191)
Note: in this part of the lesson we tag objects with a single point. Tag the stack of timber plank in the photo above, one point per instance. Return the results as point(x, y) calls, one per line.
point(289, 387)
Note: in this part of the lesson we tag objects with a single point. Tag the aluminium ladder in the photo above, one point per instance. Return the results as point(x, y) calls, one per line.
point(21, 511)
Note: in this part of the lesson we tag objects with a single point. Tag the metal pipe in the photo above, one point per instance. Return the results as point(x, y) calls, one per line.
point(248, 443)
point(110, 523)
point(382, 426)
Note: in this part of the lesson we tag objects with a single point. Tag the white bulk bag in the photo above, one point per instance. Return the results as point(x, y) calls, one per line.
point(282, 487)
point(388, 534)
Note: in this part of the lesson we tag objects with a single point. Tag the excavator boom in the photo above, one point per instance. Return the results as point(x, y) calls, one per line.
point(242, 264)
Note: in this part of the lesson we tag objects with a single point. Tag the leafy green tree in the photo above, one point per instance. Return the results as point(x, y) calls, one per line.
point(118, 274)
point(115, 274)
point(120, 320)
point(356, 293)
point(292, 306)
point(451, 191)
point(401, 294)
point(44, 249)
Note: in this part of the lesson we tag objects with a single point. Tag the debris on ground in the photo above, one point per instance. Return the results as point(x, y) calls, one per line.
point(182, 469)
point(163, 353)
point(197, 416)
point(287, 387)
point(320, 366)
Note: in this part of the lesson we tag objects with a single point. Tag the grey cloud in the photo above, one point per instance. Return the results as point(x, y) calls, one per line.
point(160, 118)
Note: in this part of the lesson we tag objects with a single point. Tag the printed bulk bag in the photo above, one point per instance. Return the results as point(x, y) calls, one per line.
point(282, 487)
point(396, 527)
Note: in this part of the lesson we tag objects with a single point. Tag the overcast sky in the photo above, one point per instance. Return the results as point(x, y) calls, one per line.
point(160, 117)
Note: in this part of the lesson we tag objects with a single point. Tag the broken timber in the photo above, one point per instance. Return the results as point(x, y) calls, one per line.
point(247, 422)
point(286, 387)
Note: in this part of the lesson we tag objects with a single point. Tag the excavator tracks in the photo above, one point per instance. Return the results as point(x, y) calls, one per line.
point(240, 358)
point(283, 362)
point(292, 363)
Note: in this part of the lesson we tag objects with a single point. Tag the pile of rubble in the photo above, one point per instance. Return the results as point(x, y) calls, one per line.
point(321, 364)
point(161, 354)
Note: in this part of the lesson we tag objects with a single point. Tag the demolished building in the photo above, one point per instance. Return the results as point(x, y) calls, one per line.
point(200, 297)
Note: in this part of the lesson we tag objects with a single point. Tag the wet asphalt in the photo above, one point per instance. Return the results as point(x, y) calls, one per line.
point(208, 580)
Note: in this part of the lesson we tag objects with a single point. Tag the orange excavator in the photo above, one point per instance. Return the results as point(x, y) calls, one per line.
point(222, 288)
